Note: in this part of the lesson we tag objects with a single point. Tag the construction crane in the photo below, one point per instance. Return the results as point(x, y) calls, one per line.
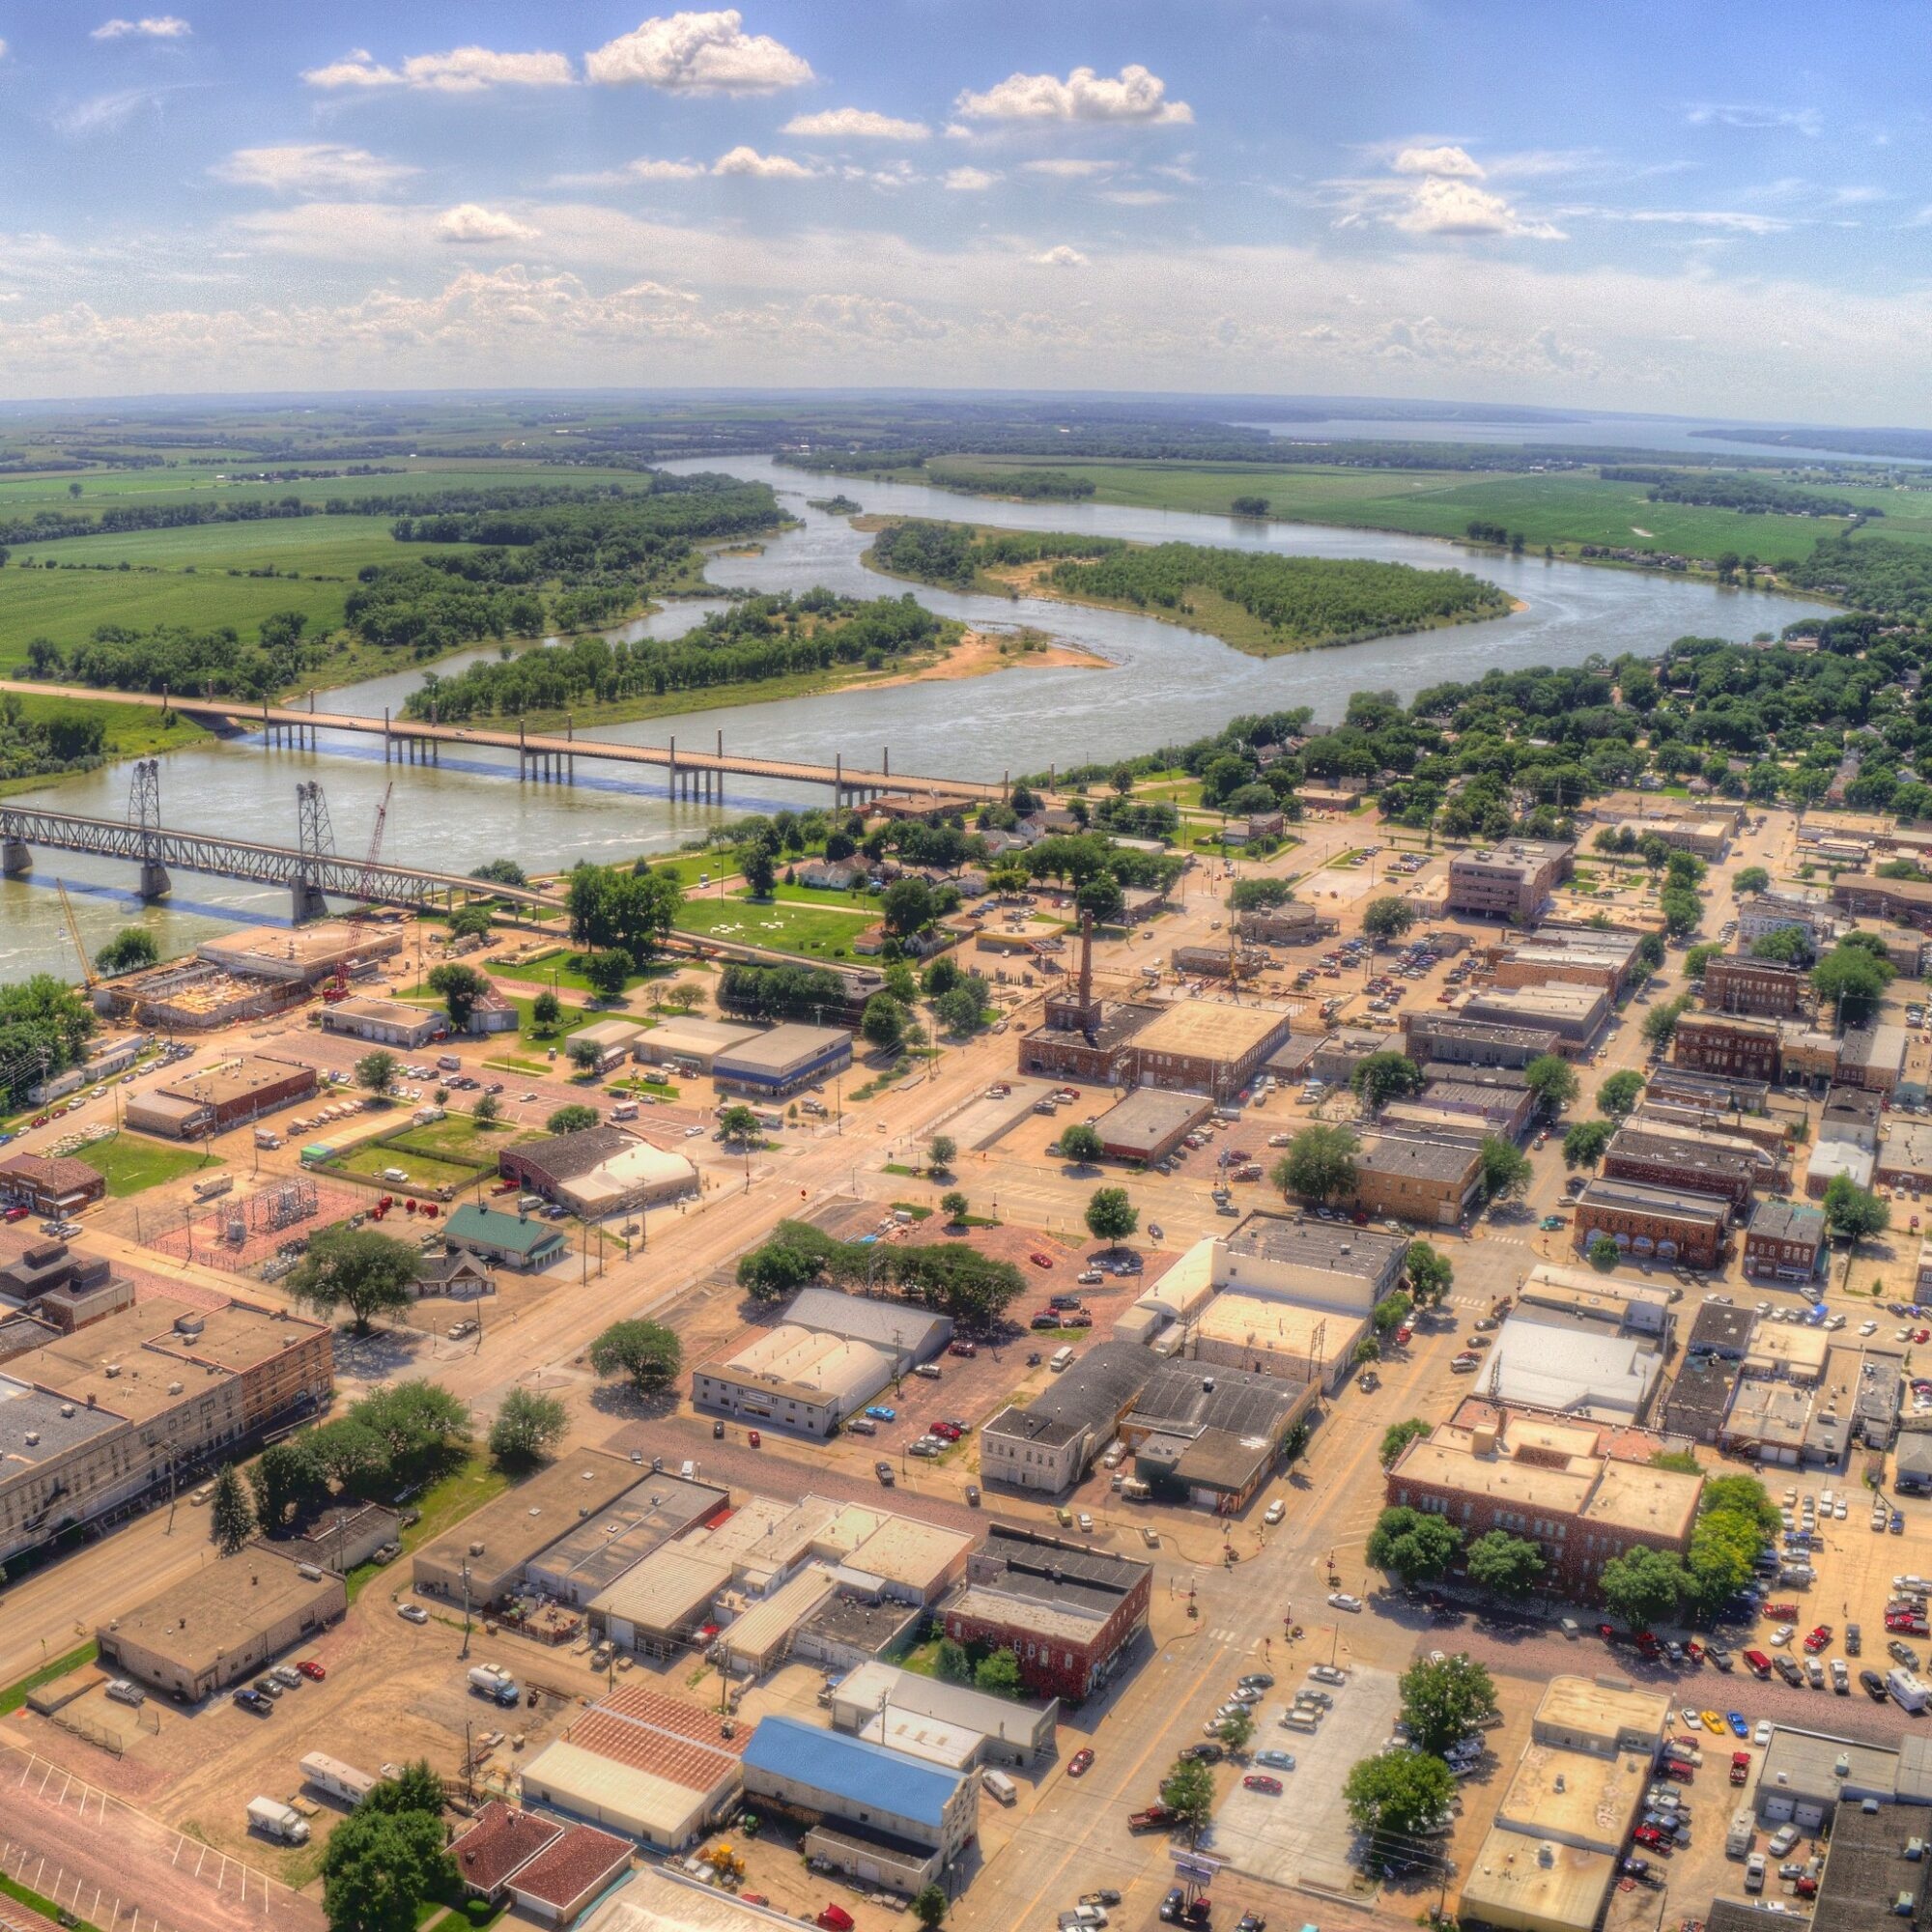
point(87, 974)
point(365, 883)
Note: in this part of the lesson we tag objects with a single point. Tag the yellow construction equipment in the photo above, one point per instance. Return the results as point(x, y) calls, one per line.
point(74, 932)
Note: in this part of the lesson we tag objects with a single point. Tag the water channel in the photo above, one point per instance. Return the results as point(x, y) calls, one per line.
point(1167, 685)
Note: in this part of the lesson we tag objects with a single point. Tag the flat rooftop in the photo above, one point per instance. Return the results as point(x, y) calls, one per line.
point(1639, 1197)
point(1337, 1247)
point(1446, 1161)
point(530, 1515)
point(1210, 1030)
point(604, 1545)
point(222, 1085)
point(1574, 1796)
point(1149, 1117)
point(783, 1049)
point(224, 1606)
point(28, 1412)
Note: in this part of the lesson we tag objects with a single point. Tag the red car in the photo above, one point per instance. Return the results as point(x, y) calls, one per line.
point(1041, 1261)
point(1739, 1767)
point(1818, 1638)
point(1257, 1781)
point(17, 1213)
point(311, 1670)
point(1652, 1839)
point(1078, 1763)
point(946, 1431)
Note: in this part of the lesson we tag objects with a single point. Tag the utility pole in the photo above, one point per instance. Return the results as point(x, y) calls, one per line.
point(464, 1652)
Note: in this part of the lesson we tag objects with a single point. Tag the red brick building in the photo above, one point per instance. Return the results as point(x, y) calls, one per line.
point(1551, 1479)
point(1758, 988)
point(1664, 1222)
point(1068, 1612)
point(1724, 1044)
point(1673, 1160)
point(50, 1183)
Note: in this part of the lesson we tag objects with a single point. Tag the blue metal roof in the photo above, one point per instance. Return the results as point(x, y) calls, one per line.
point(863, 1774)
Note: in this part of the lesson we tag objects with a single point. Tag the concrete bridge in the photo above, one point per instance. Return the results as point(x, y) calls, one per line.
point(689, 773)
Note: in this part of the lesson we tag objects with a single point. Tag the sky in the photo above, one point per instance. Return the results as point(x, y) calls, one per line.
point(1694, 209)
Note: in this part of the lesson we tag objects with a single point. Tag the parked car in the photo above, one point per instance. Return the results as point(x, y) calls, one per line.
point(412, 1614)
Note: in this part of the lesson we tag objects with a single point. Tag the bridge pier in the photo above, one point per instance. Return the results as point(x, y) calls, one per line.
point(16, 859)
point(307, 903)
point(155, 881)
point(670, 779)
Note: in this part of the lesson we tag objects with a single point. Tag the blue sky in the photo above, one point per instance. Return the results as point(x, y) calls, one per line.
point(1700, 209)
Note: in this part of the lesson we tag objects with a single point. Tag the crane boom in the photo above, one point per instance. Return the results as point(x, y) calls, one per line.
point(375, 851)
point(74, 932)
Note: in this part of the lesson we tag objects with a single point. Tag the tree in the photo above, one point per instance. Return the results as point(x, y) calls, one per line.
point(952, 1661)
point(1397, 1795)
point(1320, 1164)
point(1853, 1210)
point(682, 997)
point(134, 946)
point(1681, 908)
point(961, 1010)
point(1661, 1022)
point(355, 1268)
point(760, 870)
point(1390, 1313)
point(1552, 1080)
point(284, 1476)
point(1110, 1216)
point(1741, 1495)
point(940, 978)
point(883, 1023)
point(941, 1151)
point(487, 1109)
point(1585, 1143)
point(1443, 1702)
point(1697, 961)
point(1851, 979)
point(585, 1055)
point(1413, 1545)
point(648, 1352)
point(573, 1119)
point(1381, 1077)
point(469, 921)
point(527, 1427)
point(417, 1787)
point(1642, 1586)
point(1399, 1435)
point(419, 1422)
point(610, 971)
point(738, 1124)
point(1751, 879)
point(1081, 1143)
point(907, 906)
point(1506, 1170)
point(1236, 1730)
point(953, 1206)
point(546, 1011)
point(1619, 1094)
point(997, 1675)
point(1187, 1791)
point(1603, 1253)
point(380, 1867)
point(1789, 945)
point(1102, 897)
point(377, 1071)
point(1431, 1273)
point(929, 1906)
point(1387, 918)
point(231, 1514)
point(459, 987)
point(1650, 949)
point(1721, 1560)
point(1509, 1566)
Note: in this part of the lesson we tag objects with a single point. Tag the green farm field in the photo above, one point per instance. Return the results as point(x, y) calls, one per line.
point(1562, 510)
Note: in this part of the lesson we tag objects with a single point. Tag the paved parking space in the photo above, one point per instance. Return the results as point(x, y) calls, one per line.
point(1305, 1836)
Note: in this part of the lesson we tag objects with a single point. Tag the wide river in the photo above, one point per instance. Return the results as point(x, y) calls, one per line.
point(1168, 685)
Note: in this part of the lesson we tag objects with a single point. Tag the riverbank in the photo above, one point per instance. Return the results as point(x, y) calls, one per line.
point(1262, 605)
point(981, 653)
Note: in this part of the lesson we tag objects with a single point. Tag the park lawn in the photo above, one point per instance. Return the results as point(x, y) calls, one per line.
point(460, 1137)
point(560, 970)
point(814, 895)
point(131, 1164)
point(425, 1171)
point(812, 931)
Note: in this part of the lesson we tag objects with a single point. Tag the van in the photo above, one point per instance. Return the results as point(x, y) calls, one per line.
point(997, 1785)
point(1738, 1839)
point(528, 1203)
point(1758, 1663)
point(1135, 1491)
point(449, 1063)
point(1060, 1358)
point(624, 1110)
point(687, 1470)
point(1301, 1720)
point(267, 1138)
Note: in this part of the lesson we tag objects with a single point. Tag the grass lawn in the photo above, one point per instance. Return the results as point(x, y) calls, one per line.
point(457, 1137)
point(562, 970)
point(425, 1171)
point(15, 1695)
point(464, 1490)
point(131, 1163)
point(812, 931)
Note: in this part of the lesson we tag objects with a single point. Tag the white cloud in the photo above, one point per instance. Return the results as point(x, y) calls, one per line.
point(152, 27)
point(1134, 94)
point(697, 53)
point(1446, 160)
point(471, 225)
point(3, 49)
point(664, 171)
point(459, 70)
point(311, 168)
point(969, 180)
point(653, 292)
point(102, 113)
point(1440, 206)
point(1061, 257)
point(1068, 169)
point(1750, 115)
point(1138, 197)
point(743, 160)
point(854, 123)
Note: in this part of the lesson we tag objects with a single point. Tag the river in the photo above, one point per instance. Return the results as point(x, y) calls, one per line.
point(1168, 685)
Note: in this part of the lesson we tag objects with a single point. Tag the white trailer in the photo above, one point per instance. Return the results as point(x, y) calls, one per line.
point(338, 1779)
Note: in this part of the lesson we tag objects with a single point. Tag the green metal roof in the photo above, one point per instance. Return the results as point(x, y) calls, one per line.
point(509, 1234)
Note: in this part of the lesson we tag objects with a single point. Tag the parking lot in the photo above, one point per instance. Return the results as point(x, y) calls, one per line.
point(1305, 1836)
